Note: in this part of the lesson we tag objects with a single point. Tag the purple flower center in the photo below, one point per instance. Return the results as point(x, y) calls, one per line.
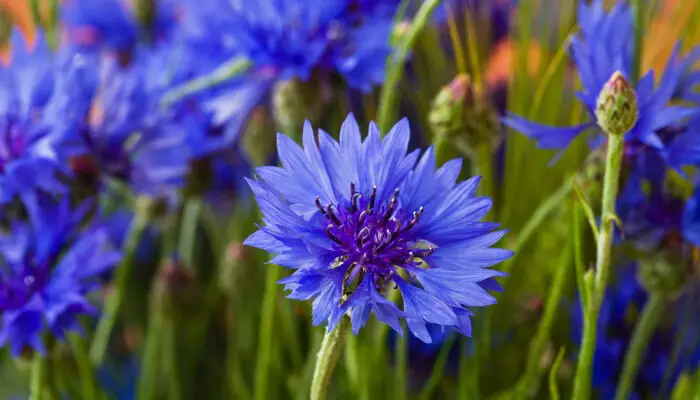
point(374, 238)
point(18, 286)
point(12, 143)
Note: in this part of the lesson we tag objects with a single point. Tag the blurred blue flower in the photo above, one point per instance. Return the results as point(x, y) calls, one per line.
point(111, 24)
point(287, 39)
point(126, 132)
point(355, 219)
point(604, 48)
point(49, 265)
point(659, 369)
point(27, 91)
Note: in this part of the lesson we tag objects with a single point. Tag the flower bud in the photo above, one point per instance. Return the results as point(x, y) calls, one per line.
point(666, 272)
point(461, 111)
point(259, 138)
point(616, 108)
point(292, 103)
point(145, 11)
point(232, 270)
point(176, 290)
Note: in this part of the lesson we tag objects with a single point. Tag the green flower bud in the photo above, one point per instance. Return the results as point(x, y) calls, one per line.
point(461, 111)
point(236, 259)
point(616, 108)
point(176, 290)
point(294, 101)
point(145, 11)
point(259, 139)
point(666, 272)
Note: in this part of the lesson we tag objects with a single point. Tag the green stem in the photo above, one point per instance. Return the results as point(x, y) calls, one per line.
point(484, 159)
point(327, 358)
point(524, 236)
point(38, 378)
point(265, 342)
point(643, 331)
point(151, 360)
point(613, 162)
point(114, 299)
point(638, 10)
point(171, 361)
point(401, 367)
point(227, 71)
point(529, 383)
point(441, 146)
point(87, 374)
point(438, 369)
point(396, 61)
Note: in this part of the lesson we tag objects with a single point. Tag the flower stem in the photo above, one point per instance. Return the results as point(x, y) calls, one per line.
point(38, 378)
point(224, 73)
point(395, 64)
point(114, 299)
point(87, 374)
point(529, 383)
point(327, 358)
point(265, 342)
point(643, 332)
point(613, 162)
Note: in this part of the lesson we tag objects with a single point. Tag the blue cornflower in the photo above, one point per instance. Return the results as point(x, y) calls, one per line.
point(49, 265)
point(127, 132)
point(356, 219)
point(291, 38)
point(603, 48)
point(287, 39)
point(111, 24)
point(27, 91)
point(661, 365)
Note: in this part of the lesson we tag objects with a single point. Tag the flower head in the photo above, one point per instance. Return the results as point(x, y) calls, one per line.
point(126, 132)
point(49, 265)
point(356, 219)
point(602, 51)
point(27, 93)
point(113, 25)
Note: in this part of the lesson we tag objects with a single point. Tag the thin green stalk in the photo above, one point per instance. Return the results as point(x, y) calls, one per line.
point(613, 162)
point(227, 71)
point(191, 215)
point(39, 378)
point(87, 373)
point(150, 361)
point(395, 64)
point(401, 352)
point(265, 342)
point(529, 383)
point(643, 331)
point(553, 390)
point(463, 388)
point(327, 358)
point(638, 10)
point(441, 145)
point(527, 232)
point(171, 362)
point(484, 160)
point(114, 299)
point(438, 369)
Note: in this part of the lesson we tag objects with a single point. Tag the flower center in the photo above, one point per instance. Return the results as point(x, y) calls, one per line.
point(17, 288)
point(373, 237)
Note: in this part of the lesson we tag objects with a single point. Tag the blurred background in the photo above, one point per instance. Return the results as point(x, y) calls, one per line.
point(201, 316)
